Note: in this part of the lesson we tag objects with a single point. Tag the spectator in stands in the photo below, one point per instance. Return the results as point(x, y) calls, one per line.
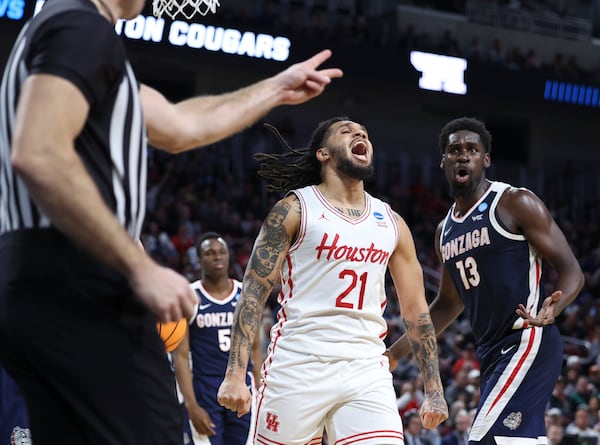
point(554, 416)
point(413, 430)
point(460, 433)
point(555, 434)
point(410, 398)
point(593, 408)
point(476, 51)
point(183, 240)
point(496, 53)
point(594, 373)
point(558, 67)
point(580, 426)
point(559, 399)
point(449, 44)
point(532, 60)
point(582, 393)
point(468, 359)
point(457, 388)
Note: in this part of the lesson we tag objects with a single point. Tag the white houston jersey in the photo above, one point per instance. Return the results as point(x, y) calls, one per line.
point(333, 280)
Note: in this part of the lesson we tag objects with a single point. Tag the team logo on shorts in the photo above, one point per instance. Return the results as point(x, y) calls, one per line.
point(20, 436)
point(272, 422)
point(513, 420)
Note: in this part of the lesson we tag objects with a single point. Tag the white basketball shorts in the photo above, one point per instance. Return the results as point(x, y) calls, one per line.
point(302, 396)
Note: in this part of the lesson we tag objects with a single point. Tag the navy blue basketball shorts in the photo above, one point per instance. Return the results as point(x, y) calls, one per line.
point(517, 380)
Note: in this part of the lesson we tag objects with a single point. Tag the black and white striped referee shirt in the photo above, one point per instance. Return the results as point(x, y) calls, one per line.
point(70, 39)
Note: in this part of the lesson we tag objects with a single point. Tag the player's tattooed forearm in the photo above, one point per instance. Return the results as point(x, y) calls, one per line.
point(257, 289)
point(248, 317)
point(273, 240)
point(421, 336)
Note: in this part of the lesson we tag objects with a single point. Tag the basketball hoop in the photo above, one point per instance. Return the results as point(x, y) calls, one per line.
point(186, 8)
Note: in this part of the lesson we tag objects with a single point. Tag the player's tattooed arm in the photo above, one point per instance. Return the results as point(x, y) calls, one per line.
point(247, 320)
point(272, 241)
point(270, 248)
point(422, 339)
point(421, 336)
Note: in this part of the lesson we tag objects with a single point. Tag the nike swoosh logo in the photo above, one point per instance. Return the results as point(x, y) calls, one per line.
point(204, 306)
point(447, 232)
point(505, 351)
point(234, 303)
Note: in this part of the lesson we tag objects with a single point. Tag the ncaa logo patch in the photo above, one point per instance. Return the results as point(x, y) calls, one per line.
point(380, 219)
point(513, 420)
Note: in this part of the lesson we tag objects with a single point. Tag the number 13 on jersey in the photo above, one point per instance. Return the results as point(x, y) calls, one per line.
point(469, 274)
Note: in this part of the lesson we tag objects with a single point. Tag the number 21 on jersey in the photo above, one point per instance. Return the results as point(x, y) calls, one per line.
point(345, 299)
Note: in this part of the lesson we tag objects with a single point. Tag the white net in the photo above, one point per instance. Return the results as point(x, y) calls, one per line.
point(183, 8)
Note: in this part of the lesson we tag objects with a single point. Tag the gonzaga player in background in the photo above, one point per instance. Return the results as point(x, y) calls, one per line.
point(492, 243)
point(208, 339)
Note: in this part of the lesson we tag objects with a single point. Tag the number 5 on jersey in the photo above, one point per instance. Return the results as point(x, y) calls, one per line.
point(224, 339)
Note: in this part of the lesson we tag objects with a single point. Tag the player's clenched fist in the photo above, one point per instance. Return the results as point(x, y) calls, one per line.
point(234, 395)
point(434, 410)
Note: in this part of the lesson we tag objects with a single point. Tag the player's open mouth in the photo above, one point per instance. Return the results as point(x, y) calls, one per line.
point(359, 151)
point(462, 175)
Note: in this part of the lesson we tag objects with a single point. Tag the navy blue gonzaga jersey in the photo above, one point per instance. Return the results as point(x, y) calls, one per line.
point(210, 330)
point(493, 269)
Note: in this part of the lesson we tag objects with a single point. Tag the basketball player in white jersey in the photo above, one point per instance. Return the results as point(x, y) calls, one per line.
point(330, 244)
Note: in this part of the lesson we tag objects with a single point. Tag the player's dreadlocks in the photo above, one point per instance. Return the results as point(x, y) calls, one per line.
point(294, 168)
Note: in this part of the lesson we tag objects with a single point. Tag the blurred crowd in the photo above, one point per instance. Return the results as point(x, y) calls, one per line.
point(217, 189)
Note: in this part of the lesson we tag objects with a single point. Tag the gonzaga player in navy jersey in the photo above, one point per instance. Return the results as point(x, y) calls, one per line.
point(208, 340)
point(492, 243)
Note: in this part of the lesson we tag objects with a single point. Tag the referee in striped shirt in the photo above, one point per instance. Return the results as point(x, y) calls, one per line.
point(78, 298)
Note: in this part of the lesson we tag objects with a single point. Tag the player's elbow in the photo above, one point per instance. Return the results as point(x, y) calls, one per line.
point(27, 163)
